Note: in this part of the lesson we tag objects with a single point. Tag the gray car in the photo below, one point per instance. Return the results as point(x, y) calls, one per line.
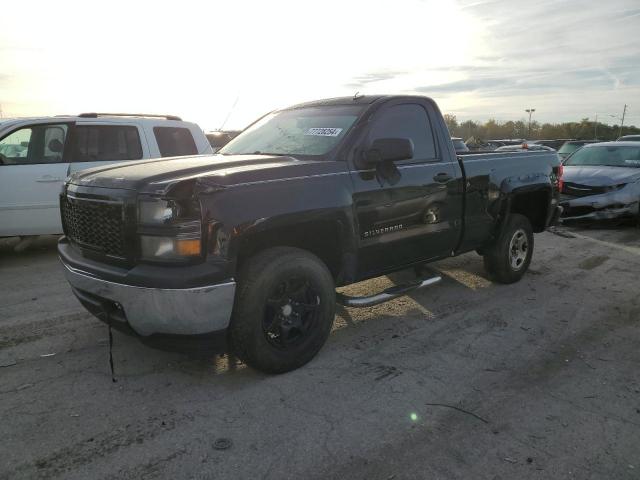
point(629, 138)
point(459, 145)
point(602, 181)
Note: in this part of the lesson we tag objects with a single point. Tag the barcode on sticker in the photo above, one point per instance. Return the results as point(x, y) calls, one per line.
point(324, 131)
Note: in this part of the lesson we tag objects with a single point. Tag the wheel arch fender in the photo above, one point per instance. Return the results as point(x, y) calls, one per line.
point(328, 235)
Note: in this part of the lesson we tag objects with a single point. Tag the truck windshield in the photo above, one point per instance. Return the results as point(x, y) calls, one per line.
point(606, 156)
point(303, 131)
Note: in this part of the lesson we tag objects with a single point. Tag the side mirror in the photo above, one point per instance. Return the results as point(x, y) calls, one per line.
point(389, 150)
point(55, 146)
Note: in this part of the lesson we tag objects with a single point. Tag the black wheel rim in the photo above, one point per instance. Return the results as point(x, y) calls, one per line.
point(291, 312)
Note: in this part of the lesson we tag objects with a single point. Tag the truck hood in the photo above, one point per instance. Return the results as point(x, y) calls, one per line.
point(159, 175)
point(599, 176)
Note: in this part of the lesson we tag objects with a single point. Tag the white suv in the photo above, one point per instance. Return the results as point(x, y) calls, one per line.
point(37, 154)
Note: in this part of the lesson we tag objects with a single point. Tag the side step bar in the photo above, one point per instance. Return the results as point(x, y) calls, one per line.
point(386, 295)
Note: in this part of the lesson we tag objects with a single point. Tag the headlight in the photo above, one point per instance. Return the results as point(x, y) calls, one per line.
point(158, 211)
point(616, 187)
point(169, 229)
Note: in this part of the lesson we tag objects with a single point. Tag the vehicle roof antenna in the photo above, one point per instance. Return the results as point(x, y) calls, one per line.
point(230, 112)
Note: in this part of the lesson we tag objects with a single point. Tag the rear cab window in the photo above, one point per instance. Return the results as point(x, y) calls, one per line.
point(175, 141)
point(93, 143)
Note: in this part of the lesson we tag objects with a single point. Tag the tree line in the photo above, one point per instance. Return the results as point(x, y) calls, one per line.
point(492, 129)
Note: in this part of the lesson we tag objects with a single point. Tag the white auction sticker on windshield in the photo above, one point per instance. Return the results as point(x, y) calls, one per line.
point(324, 131)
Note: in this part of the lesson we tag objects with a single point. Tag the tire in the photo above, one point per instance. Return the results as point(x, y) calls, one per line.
point(284, 309)
point(507, 260)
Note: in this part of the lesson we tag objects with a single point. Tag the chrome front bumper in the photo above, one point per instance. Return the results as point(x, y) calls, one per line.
point(149, 311)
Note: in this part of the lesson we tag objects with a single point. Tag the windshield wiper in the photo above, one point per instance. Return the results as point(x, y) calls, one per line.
point(257, 152)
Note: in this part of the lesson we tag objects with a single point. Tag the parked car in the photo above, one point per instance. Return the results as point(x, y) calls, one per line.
point(555, 144)
point(602, 181)
point(479, 145)
point(629, 138)
point(37, 154)
point(219, 138)
point(571, 146)
point(509, 141)
point(250, 244)
point(459, 145)
point(525, 147)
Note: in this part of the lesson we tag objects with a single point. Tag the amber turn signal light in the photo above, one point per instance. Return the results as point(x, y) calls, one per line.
point(188, 246)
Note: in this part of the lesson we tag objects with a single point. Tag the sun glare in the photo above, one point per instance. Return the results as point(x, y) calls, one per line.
point(200, 59)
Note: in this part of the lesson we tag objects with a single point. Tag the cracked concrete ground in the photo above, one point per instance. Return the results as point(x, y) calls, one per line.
point(544, 376)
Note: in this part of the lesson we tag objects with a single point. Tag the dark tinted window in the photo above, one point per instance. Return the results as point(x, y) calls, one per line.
point(407, 121)
point(35, 144)
point(94, 143)
point(175, 142)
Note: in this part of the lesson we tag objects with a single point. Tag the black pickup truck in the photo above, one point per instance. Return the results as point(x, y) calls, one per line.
point(251, 243)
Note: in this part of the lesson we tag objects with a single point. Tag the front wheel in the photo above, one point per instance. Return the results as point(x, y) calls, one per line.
point(507, 260)
point(284, 309)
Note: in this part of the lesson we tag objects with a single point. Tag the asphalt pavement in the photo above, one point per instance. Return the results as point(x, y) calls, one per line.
point(466, 379)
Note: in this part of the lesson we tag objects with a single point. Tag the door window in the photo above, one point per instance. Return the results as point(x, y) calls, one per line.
point(34, 144)
point(95, 143)
point(175, 142)
point(407, 121)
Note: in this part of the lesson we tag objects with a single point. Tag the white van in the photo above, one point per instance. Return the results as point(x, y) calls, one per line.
point(37, 154)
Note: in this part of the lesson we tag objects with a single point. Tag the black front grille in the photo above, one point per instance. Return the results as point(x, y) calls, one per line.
point(578, 190)
point(95, 225)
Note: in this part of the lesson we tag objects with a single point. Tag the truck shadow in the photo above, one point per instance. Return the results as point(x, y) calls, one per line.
point(461, 279)
point(460, 276)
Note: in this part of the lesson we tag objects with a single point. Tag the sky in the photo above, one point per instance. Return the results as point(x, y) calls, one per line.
point(226, 63)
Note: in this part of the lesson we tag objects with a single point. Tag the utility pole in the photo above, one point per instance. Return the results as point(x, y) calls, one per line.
point(595, 129)
point(530, 112)
point(624, 111)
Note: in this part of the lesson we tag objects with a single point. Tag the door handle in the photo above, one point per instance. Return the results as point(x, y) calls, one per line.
point(48, 179)
point(442, 177)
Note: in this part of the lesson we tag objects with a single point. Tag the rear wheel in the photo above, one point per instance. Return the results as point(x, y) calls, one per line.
point(507, 260)
point(284, 309)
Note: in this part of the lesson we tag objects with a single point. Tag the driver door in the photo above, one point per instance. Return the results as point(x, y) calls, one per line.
point(32, 170)
point(408, 211)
